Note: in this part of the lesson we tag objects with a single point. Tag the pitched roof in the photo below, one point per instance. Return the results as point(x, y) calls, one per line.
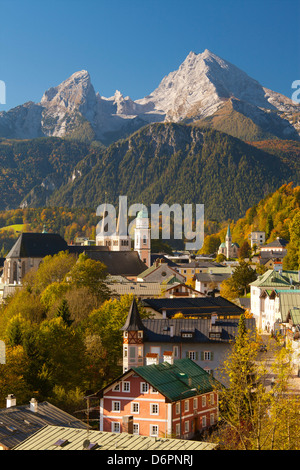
point(177, 380)
point(37, 245)
point(124, 263)
point(273, 278)
point(194, 306)
point(159, 330)
point(278, 243)
point(212, 277)
point(49, 438)
point(19, 422)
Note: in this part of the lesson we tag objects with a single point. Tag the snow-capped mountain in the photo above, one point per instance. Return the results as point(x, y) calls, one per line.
point(205, 89)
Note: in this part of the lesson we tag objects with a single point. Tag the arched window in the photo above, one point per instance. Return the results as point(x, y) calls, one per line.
point(23, 269)
point(15, 271)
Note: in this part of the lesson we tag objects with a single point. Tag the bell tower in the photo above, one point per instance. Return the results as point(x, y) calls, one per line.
point(133, 339)
point(142, 238)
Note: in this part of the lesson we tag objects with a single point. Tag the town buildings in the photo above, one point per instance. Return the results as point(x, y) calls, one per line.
point(176, 399)
point(266, 292)
point(228, 248)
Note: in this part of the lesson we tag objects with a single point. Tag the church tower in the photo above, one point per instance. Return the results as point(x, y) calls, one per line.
point(120, 240)
point(228, 242)
point(133, 339)
point(142, 238)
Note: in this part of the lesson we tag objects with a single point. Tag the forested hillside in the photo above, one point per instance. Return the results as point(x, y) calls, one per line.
point(177, 163)
point(278, 215)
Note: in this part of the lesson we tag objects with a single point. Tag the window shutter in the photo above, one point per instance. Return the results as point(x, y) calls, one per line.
point(202, 356)
point(197, 355)
point(187, 354)
point(212, 356)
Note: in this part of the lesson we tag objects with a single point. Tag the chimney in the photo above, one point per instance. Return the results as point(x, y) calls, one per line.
point(127, 424)
point(168, 357)
point(214, 317)
point(11, 401)
point(33, 405)
point(152, 358)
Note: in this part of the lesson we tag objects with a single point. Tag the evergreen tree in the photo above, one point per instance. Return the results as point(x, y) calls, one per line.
point(64, 312)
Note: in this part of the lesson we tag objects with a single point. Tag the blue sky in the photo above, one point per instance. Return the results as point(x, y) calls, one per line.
point(130, 45)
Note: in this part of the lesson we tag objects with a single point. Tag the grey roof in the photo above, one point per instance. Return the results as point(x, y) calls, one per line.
point(212, 277)
point(200, 306)
point(17, 423)
point(159, 330)
point(124, 263)
point(200, 264)
point(73, 439)
point(279, 243)
point(37, 245)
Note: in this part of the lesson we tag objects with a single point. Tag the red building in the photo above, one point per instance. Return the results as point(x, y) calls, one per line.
point(176, 399)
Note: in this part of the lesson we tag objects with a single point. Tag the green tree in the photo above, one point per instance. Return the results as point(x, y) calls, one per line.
point(64, 312)
point(242, 276)
point(254, 415)
point(91, 274)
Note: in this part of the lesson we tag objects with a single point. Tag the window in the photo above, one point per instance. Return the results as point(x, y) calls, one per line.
point(207, 355)
point(193, 355)
point(144, 387)
point(136, 429)
point(212, 419)
point(212, 399)
point(177, 431)
point(126, 386)
point(195, 403)
point(154, 409)
point(177, 408)
point(135, 408)
point(132, 352)
point(116, 388)
point(203, 421)
point(116, 406)
point(175, 351)
point(204, 400)
point(115, 427)
point(187, 335)
point(186, 405)
point(186, 426)
point(153, 390)
point(153, 430)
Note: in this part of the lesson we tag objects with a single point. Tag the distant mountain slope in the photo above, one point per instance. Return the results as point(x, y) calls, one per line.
point(177, 163)
point(44, 163)
point(205, 88)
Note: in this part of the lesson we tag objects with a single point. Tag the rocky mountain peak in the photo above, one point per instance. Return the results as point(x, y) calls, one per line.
point(202, 88)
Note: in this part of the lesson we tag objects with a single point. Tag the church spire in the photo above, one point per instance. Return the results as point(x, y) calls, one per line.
point(228, 235)
point(133, 321)
point(133, 343)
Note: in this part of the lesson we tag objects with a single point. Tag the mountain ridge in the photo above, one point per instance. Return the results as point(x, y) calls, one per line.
point(197, 91)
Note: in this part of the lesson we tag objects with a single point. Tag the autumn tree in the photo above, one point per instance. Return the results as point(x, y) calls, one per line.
point(256, 413)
